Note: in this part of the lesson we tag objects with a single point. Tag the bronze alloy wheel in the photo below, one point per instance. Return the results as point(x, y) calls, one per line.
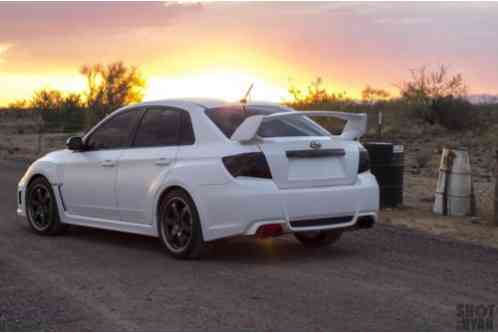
point(179, 225)
point(41, 208)
point(176, 224)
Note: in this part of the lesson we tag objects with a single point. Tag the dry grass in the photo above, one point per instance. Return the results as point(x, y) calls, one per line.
point(25, 146)
point(460, 228)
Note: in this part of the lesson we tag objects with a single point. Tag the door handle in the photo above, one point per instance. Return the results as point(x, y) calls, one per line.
point(108, 163)
point(163, 161)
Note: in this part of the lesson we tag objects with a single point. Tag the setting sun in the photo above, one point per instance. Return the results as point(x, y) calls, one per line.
point(227, 85)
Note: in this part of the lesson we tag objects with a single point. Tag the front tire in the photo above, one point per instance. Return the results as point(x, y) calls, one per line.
point(317, 239)
point(179, 226)
point(41, 208)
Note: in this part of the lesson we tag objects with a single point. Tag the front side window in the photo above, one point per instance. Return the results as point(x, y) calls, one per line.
point(159, 127)
point(228, 119)
point(114, 133)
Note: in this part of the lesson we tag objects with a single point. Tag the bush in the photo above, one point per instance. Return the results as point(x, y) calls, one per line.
point(453, 113)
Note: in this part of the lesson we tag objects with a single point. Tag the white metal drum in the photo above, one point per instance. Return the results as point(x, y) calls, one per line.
point(454, 187)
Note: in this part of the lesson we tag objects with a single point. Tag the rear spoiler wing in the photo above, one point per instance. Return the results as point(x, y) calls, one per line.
point(355, 127)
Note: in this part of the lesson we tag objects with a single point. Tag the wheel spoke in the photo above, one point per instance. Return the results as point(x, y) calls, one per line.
point(45, 198)
point(182, 239)
point(185, 217)
point(170, 222)
point(175, 240)
point(174, 210)
point(39, 194)
point(187, 231)
point(177, 223)
point(40, 206)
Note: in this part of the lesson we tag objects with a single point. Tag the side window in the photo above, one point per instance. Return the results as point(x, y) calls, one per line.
point(159, 127)
point(114, 133)
point(187, 136)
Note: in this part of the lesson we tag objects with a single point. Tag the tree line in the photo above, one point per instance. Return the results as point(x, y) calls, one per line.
point(434, 96)
point(109, 87)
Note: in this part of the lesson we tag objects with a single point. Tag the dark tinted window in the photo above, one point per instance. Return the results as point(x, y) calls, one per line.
point(159, 127)
point(187, 132)
point(229, 118)
point(115, 132)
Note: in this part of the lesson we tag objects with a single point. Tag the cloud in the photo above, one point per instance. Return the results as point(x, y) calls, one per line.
point(20, 20)
point(404, 20)
point(53, 36)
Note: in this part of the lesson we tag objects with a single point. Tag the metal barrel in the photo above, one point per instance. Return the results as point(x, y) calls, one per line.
point(387, 164)
point(454, 191)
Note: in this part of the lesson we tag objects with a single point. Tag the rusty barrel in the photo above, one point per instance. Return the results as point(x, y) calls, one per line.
point(387, 164)
point(454, 191)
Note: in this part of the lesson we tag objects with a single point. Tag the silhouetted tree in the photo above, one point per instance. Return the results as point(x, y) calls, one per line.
point(316, 95)
point(371, 95)
point(425, 88)
point(59, 111)
point(319, 98)
point(46, 100)
point(111, 87)
point(19, 104)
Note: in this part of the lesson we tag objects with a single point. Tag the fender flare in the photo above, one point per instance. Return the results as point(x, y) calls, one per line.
point(47, 169)
point(167, 186)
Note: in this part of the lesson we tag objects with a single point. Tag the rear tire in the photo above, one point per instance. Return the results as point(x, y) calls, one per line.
point(317, 239)
point(179, 226)
point(41, 208)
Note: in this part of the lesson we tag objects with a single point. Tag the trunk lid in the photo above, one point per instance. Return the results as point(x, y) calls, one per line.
point(306, 162)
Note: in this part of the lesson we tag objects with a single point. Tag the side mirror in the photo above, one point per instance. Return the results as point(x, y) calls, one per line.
point(75, 143)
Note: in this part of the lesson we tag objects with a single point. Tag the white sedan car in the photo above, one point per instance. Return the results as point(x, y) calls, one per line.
point(191, 171)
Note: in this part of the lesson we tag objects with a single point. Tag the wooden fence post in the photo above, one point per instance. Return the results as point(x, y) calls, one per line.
point(379, 124)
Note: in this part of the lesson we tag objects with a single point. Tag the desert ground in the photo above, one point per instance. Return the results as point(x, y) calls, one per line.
point(410, 272)
point(388, 278)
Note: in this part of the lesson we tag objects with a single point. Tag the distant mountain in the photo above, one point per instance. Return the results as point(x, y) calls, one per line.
point(482, 99)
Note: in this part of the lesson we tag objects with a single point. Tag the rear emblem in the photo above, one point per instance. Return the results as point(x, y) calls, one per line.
point(315, 145)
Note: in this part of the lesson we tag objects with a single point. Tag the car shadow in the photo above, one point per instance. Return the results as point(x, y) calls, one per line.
point(275, 250)
point(236, 249)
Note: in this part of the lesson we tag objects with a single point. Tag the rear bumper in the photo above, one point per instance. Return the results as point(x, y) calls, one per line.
point(244, 205)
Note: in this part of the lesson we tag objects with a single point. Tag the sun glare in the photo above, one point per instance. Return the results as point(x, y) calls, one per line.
point(226, 85)
point(22, 86)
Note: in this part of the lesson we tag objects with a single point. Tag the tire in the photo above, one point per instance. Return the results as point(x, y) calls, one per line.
point(179, 226)
point(317, 239)
point(41, 208)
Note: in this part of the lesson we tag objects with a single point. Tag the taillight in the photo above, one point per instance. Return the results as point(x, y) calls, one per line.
point(247, 165)
point(364, 164)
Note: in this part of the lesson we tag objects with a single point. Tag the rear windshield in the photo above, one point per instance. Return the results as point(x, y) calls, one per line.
point(229, 118)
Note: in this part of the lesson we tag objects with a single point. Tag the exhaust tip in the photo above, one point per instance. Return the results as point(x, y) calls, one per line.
point(365, 222)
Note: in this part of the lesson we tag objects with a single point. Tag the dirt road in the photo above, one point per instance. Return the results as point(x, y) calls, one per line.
point(387, 278)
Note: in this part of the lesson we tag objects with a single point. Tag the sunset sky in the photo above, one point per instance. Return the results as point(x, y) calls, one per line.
point(218, 49)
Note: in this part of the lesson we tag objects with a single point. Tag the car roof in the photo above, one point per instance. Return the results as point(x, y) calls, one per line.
point(206, 103)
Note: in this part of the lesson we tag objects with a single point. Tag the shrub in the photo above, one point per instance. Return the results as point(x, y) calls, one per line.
point(453, 113)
